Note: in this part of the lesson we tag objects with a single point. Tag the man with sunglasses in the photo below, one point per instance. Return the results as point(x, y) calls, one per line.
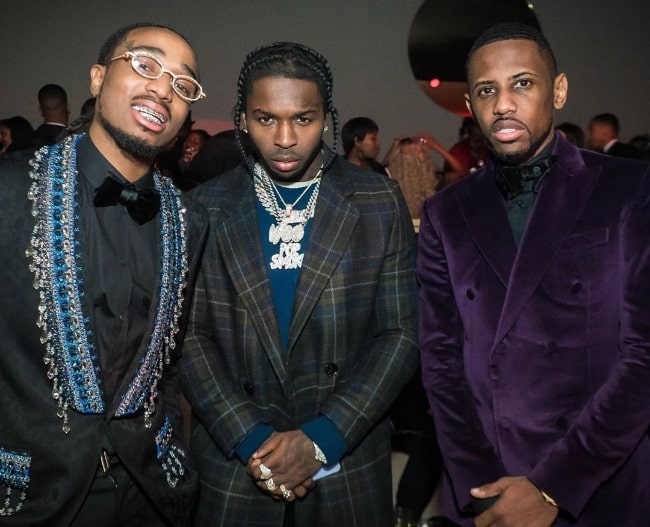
point(99, 253)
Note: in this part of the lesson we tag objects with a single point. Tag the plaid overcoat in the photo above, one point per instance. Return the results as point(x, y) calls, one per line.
point(351, 347)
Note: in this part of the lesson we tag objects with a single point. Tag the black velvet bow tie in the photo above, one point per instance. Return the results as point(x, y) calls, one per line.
point(510, 180)
point(142, 205)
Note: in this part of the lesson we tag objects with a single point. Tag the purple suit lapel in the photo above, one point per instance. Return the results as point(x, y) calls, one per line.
point(560, 202)
point(482, 209)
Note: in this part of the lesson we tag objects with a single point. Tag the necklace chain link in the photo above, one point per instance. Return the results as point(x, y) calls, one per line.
point(290, 225)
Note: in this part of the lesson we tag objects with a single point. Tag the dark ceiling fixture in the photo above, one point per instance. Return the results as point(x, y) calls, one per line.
point(441, 35)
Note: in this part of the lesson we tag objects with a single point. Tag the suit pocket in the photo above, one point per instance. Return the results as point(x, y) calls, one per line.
point(14, 480)
point(581, 241)
point(579, 273)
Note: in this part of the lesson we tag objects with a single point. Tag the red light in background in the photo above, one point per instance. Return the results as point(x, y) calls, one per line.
point(434, 83)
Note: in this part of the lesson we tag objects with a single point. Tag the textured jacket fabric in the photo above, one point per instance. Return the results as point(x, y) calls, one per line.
point(62, 466)
point(351, 346)
point(537, 359)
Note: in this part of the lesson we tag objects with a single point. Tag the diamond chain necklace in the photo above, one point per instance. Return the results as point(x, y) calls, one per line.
point(290, 225)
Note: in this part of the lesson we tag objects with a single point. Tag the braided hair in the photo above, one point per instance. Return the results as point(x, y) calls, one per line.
point(291, 61)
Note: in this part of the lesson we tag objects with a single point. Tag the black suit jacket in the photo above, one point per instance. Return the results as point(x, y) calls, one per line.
point(47, 134)
point(620, 149)
point(62, 466)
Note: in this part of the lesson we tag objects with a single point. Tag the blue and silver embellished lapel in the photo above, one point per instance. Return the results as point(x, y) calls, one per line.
point(54, 253)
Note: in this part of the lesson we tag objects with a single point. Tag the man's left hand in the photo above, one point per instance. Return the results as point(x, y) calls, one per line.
point(520, 504)
point(290, 457)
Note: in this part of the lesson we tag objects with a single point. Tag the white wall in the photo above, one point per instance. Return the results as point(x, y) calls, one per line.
point(602, 45)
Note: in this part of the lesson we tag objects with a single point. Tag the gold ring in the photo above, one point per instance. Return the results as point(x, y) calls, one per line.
point(265, 471)
point(286, 493)
point(270, 484)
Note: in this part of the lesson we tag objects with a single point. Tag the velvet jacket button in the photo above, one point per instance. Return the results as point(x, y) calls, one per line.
point(248, 388)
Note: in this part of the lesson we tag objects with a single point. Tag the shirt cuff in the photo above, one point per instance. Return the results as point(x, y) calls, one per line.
point(255, 437)
point(323, 432)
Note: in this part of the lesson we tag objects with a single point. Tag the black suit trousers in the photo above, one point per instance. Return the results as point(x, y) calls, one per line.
point(116, 499)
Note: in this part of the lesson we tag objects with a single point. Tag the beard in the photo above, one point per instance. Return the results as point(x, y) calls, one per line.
point(132, 145)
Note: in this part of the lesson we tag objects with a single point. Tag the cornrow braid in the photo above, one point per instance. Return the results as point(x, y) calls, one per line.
point(292, 61)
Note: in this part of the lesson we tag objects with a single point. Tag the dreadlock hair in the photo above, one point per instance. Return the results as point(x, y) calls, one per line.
point(514, 31)
point(108, 49)
point(291, 61)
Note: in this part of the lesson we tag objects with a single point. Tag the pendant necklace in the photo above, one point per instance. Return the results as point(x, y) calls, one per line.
point(290, 226)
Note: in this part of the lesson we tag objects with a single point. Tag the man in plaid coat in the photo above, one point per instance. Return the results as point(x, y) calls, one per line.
point(303, 325)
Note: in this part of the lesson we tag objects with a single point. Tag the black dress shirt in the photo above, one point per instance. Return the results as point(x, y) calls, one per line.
point(121, 261)
point(520, 207)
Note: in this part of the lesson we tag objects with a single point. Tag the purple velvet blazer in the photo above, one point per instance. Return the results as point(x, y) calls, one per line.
point(536, 360)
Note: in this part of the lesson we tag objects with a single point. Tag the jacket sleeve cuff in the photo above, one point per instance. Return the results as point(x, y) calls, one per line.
point(255, 437)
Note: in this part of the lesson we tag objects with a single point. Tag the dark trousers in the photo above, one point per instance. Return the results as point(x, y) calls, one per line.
point(115, 499)
point(289, 516)
point(422, 472)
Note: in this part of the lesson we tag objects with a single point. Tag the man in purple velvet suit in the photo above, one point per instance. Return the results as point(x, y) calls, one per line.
point(535, 311)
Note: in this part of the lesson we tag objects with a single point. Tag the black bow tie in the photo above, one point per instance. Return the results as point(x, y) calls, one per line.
point(510, 180)
point(142, 205)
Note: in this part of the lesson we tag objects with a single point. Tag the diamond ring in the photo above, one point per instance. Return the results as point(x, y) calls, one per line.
point(286, 493)
point(265, 471)
point(270, 484)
